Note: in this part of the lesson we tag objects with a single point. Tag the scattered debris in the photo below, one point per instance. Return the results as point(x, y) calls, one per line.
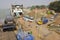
point(55, 28)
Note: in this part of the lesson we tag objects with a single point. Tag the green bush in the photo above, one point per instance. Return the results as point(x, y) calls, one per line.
point(55, 6)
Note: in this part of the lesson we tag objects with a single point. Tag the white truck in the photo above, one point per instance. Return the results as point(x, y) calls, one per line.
point(16, 10)
point(10, 22)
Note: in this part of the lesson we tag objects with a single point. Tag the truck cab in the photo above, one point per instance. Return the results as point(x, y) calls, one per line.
point(17, 10)
point(9, 19)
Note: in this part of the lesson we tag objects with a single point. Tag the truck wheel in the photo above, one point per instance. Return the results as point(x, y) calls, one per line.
point(4, 30)
point(5, 22)
point(15, 29)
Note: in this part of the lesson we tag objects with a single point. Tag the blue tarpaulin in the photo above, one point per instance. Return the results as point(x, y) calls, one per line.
point(29, 37)
point(24, 36)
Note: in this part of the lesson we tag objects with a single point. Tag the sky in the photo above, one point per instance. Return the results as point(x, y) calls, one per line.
point(26, 3)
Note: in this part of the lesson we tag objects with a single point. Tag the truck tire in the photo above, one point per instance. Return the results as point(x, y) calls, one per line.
point(4, 30)
point(5, 22)
point(15, 28)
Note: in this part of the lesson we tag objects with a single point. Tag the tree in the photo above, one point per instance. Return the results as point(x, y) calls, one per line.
point(33, 7)
point(38, 7)
point(55, 6)
point(43, 6)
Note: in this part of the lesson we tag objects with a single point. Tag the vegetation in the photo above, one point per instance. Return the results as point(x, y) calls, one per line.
point(55, 6)
point(52, 6)
point(38, 7)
